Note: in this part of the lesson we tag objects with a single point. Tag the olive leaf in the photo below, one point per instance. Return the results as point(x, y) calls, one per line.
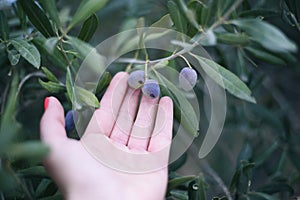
point(178, 19)
point(37, 17)
point(50, 7)
point(180, 194)
point(56, 57)
point(265, 56)
point(4, 33)
point(233, 39)
point(262, 195)
point(85, 10)
point(175, 182)
point(50, 75)
point(225, 78)
point(88, 28)
point(28, 149)
point(9, 127)
point(50, 44)
point(266, 34)
point(87, 97)
point(13, 57)
point(37, 171)
point(52, 87)
point(27, 51)
point(184, 111)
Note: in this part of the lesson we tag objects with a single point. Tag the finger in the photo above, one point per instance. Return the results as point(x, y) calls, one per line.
point(104, 118)
point(143, 125)
point(126, 116)
point(162, 133)
point(52, 125)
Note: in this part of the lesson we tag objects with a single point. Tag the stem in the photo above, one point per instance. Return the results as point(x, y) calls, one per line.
point(207, 168)
point(196, 43)
point(19, 181)
point(146, 69)
point(187, 62)
point(61, 38)
point(128, 68)
point(34, 74)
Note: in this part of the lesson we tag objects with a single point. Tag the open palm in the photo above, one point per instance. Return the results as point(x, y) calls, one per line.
point(109, 160)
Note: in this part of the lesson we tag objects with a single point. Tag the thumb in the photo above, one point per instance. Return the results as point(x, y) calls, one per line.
point(52, 125)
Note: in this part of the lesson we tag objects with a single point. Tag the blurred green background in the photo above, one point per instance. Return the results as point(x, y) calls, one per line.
point(257, 156)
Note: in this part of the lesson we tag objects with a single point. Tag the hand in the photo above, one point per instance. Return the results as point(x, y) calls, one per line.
point(78, 172)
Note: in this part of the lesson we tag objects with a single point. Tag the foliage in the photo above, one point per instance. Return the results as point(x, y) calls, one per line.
point(42, 46)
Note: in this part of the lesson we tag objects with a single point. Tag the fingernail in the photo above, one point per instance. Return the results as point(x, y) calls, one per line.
point(46, 102)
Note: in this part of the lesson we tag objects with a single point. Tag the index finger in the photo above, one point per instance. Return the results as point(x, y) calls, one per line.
point(105, 117)
point(162, 133)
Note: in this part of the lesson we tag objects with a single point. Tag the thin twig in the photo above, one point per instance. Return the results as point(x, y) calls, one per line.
point(1, 193)
point(206, 167)
point(34, 74)
point(19, 181)
point(197, 42)
point(217, 178)
point(186, 61)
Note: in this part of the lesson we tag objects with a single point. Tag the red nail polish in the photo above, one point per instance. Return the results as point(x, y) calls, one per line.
point(46, 102)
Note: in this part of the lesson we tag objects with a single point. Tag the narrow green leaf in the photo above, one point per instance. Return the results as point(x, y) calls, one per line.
point(276, 187)
point(225, 78)
point(37, 17)
point(266, 34)
point(85, 10)
point(188, 13)
point(178, 19)
point(70, 85)
point(184, 111)
point(265, 56)
point(28, 150)
point(50, 7)
point(235, 181)
point(56, 57)
point(92, 59)
point(263, 195)
point(178, 163)
point(203, 14)
point(179, 194)
point(54, 197)
point(233, 39)
point(175, 182)
point(81, 47)
point(211, 14)
point(52, 87)
point(9, 127)
point(261, 158)
point(104, 82)
point(27, 51)
point(259, 12)
point(88, 28)
point(42, 187)
point(50, 44)
point(86, 97)
point(13, 57)
point(164, 22)
point(21, 14)
point(201, 188)
point(50, 75)
point(4, 33)
point(36, 171)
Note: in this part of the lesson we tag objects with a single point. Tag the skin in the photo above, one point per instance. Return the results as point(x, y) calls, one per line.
point(80, 176)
